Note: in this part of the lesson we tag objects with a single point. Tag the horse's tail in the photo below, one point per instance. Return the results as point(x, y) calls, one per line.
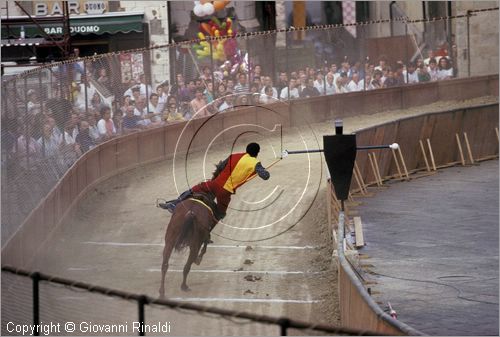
point(186, 231)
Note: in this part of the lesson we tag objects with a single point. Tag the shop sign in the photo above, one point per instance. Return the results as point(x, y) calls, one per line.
point(86, 29)
point(74, 7)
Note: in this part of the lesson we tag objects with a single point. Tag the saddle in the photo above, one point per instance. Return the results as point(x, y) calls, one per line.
point(208, 200)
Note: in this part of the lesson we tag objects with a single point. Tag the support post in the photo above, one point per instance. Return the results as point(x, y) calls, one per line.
point(431, 154)
point(377, 168)
point(468, 148)
point(496, 130)
point(425, 156)
point(373, 169)
point(403, 163)
point(356, 168)
point(462, 159)
point(142, 301)
point(36, 302)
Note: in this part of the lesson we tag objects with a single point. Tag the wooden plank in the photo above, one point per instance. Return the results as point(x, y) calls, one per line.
point(431, 154)
point(425, 156)
point(358, 230)
point(460, 149)
point(468, 148)
point(403, 162)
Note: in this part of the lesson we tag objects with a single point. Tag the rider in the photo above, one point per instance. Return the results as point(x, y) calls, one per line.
point(234, 172)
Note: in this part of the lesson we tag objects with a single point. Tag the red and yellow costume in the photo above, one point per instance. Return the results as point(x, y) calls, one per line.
point(238, 169)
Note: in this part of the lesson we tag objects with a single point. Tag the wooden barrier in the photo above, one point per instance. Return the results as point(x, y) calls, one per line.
point(133, 150)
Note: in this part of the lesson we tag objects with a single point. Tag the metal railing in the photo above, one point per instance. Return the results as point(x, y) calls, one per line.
point(142, 301)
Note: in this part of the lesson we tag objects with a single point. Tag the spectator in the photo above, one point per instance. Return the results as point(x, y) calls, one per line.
point(319, 83)
point(382, 63)
point(209, 92)
point(302, 81)
point(445, 71)
point(126, 102)
point(162, 90)
point(155, 108)
point(291, 91)
point(268, 82)
point(206, 75)
point(84, 140)
point(227, 102)
point(391, 80)
point(341, 83)
point(93, 129)
point(282, 82)
point(198, 105)
point(376, 82)
point(430, 55)
point(242, 86)
point(398, 74)
point(230, 85)
point(221, 90)
point(142, 112)
point(131, 122)
point(103, 77)
point(356, 84)
point(27, 149)
point(106, 125)
point(49, 144)
point(267, 97)
point(330, 84)
point(309, 90)
point(55, 130)
point(171, 112)
point(410, 75)
point(96, 101)
point(423, 74)
point(432, 69)
point(70, 150)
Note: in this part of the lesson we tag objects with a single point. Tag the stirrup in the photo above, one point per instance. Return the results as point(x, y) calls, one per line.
point(168, 205)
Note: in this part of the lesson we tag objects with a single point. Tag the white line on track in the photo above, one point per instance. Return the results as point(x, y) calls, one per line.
point(272, 272)
point(243, 300)
point(128, 244)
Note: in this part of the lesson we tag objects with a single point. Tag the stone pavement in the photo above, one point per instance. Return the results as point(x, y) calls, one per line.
point(433, 245)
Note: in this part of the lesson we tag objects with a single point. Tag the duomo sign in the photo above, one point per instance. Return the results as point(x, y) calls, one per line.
point(74, 7)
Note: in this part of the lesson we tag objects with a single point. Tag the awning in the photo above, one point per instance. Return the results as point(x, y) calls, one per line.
point(110, 23)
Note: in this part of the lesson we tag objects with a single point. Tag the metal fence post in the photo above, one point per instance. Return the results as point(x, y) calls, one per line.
point(36, 303)
point(142, 301)
point(284, 325)
point(468, 43)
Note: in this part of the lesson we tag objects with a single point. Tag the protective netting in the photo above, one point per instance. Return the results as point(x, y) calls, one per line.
point(52, 115)
point(17, 302)
point(70, 310)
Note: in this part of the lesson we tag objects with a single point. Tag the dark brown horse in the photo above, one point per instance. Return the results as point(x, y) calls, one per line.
point(189, 226)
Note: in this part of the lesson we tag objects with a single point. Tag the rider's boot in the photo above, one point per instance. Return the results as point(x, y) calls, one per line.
point(170, 205)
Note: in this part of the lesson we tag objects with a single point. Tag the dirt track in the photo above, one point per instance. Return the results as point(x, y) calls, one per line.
point(116, 239)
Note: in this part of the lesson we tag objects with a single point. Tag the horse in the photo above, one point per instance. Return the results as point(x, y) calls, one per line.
point(190, 226)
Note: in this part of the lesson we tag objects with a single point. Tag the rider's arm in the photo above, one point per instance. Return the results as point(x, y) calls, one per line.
point(261, 171)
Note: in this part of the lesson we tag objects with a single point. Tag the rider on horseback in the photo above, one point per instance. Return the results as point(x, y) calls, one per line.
point(233, 172)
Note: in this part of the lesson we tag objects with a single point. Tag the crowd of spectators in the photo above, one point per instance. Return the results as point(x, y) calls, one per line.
point(62, 129)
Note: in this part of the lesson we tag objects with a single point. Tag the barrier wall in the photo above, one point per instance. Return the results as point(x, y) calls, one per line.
point(358, 310)
point(137, 149)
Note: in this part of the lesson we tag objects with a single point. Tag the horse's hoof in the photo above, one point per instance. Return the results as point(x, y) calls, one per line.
point(185, 288)
point(197, 261)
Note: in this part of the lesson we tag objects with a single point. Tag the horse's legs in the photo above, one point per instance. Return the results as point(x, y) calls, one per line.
point(193, 253)
point(202, 252)
point(169, 246)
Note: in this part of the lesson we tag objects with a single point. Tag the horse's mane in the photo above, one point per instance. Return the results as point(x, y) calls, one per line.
point(218, 169)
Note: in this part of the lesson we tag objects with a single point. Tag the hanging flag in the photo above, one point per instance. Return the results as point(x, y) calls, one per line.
point(349, 15)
